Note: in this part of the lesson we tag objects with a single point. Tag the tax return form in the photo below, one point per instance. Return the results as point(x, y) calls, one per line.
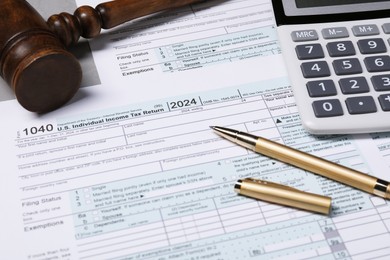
point(131, 170)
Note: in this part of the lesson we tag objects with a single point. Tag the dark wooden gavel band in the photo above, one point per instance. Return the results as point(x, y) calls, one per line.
point(34, 60)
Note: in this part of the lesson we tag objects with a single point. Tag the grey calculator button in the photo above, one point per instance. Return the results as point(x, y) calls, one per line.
point(338, 49)
point(334, 33)
point(321, 88)
point(315, 69)
point(347, 66)
point(327, 108)
point(386, 28)
point(381, 82)
point(354, 85)
point(309, 51)
point(384, 100)
point(365, 30)
point(370, 46)
point(377, 63)
point(361, 105)
point(304, 35)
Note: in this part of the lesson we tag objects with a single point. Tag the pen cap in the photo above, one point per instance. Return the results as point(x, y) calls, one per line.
point(283, 195)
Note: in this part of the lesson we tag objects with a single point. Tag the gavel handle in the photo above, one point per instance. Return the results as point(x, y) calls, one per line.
point(88, 22)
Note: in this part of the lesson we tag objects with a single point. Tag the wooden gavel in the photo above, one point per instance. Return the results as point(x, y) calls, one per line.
point(34, 60)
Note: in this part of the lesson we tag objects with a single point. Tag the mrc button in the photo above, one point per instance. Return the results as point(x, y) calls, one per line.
point(304, 35)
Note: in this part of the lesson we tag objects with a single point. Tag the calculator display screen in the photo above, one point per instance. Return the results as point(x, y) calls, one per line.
point(317, 3)
point(324, 7)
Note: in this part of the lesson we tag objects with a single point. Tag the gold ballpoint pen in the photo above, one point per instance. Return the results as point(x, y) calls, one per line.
point(307, 162)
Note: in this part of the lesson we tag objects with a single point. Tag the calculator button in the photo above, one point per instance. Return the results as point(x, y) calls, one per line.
point(361, 105)
point(386, 28)
point(365, 30)
point(347, 66)
point(321, 88)
point(304, 35)
point(309, 51)
point(370, 46)
point(354, 85)
point(377, 63)
point(381, 82)
point(315, 69)
point(337, 49)
point(335, 32)
point(384, 100)
point(327, 108)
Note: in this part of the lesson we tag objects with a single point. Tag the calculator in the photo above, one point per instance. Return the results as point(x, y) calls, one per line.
point(337, 55)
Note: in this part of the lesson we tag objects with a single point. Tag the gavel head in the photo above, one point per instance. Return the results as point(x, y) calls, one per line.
point(33, 61)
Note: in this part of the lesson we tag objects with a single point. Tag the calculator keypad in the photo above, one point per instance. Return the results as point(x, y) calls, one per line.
point(349, 59)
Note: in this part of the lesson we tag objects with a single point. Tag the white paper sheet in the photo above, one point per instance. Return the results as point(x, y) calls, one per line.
point(131, 170)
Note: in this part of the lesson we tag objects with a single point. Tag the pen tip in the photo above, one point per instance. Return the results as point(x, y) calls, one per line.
point(212, 127)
